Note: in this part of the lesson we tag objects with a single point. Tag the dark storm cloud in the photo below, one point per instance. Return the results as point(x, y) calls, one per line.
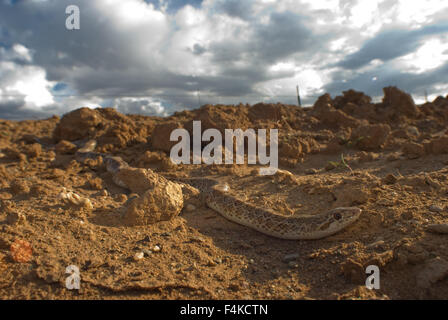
point(107, 64)
point(246, 62)
point(16, 110)
point(284, 35)
point(390, 44)
point(410, 82)
point(198, 49)
point(235, 8)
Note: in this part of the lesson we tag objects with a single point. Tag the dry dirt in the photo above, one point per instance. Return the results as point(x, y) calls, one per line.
point(395, 168)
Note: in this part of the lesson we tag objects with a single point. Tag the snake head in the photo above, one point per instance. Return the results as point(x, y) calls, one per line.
point(337, 219)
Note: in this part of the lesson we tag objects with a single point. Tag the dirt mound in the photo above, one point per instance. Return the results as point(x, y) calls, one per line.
point(110, 128)
point(156, 240)
point(399, 103)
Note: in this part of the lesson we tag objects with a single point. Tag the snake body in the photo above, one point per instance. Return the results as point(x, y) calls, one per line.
point(217, 196)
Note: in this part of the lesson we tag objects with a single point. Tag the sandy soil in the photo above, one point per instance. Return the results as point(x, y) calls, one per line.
point(395, 168)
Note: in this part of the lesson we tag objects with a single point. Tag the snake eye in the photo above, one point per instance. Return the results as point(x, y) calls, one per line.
point(337, 216)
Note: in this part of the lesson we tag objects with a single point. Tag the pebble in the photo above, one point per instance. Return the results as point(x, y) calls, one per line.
point(86, 203)
point(190, 207)
point(293, 264)
point(413, 131)
point(436, 208)
point(147, 252)
point(291, 257)
point(156, 248)
point(376, 244)
point(311, 171)
point(390, 179)
point(139, 256)
point(438, 228)
point(197, 239)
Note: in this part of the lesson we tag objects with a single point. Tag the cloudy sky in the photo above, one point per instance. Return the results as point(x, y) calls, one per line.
point(158, 56)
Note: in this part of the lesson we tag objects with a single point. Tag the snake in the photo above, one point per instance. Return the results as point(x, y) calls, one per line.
point(218, 197)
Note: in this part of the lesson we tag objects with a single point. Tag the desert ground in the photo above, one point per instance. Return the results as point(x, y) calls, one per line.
point(390, 159)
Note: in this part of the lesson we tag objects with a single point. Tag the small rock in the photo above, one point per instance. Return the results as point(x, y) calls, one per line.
point(160, 199)
point(291, 257)
point(413, 131)
point(21, 251)
point(86, 203)
point(438, 228)
point(390, 179)
point(196, 239)
point(284, 176)
point(436, 208)
point(147, 252)
point(190, 207)
point(311, 171)
point(139, 256)
point(156, 248)
point(293, 264)
point(376, 244)
point(75, 199)
point(88, 147)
